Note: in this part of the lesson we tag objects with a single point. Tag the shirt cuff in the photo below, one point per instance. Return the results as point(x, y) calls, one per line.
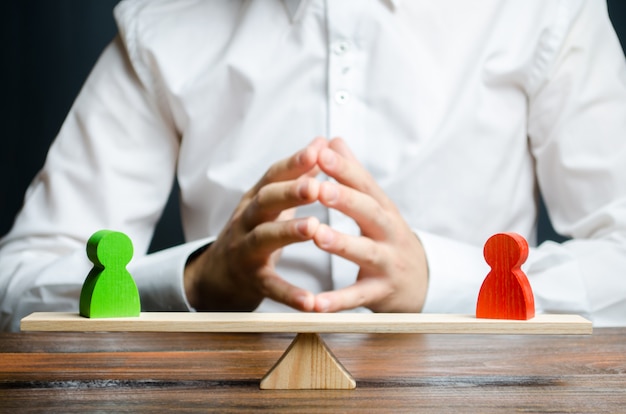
point(159, 277)
point(456, 272)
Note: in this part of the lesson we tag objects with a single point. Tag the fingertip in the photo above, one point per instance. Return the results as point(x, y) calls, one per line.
point(282, 291)
point(338, 144)
point(305, 302)
point(336, 141)
point(322, 304)
point(308, 188)
point(307, 227)
point(319, 142)
point(323, 237)
point(327, 158)
point(308, 156)
point(328, 193)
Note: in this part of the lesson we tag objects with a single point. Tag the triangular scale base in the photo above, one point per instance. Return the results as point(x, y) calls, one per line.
point(308, 364)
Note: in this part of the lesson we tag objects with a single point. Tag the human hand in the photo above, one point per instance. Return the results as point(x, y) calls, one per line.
point(393, 274)
point(237, 271)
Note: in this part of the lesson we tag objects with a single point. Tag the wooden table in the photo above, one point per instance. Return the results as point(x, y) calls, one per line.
point(220, 372)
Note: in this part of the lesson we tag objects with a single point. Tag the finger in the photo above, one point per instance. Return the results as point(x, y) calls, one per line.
point(288, 214)
point(268, 237)
point(351, 173)
point(340, 146)
point(278, 289)
point(274, 198)
point(300, 163)
point(358, 249)
point(372, 219)
point(362, 293)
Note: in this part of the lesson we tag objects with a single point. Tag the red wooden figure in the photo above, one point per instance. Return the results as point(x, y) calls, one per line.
point(506, 292)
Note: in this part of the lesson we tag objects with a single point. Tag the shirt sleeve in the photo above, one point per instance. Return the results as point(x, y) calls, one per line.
point(110, 167)
point(159, 277)
point(577, 136)
point(577, 130)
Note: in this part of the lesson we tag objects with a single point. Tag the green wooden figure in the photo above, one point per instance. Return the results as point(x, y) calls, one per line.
point(109, 290)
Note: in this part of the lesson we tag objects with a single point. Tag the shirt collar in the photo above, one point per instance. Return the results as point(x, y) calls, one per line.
point(295, 8)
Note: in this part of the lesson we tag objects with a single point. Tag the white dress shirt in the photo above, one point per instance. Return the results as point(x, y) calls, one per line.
point(461, 110)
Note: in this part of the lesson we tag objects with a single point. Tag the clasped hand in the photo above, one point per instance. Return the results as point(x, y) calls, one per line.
point(237, 271)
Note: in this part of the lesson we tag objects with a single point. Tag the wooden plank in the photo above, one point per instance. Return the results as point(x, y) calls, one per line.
point(308, 323)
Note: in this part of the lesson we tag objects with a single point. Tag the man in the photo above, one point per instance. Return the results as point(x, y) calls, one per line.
point(451, 116)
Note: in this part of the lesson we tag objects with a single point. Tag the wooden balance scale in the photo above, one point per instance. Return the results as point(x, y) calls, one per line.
point(308, 363)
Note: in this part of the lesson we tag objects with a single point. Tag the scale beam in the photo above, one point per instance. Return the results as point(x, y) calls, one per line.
point(309, 323)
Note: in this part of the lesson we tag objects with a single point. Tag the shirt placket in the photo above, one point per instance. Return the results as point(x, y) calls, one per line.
point(345, 72)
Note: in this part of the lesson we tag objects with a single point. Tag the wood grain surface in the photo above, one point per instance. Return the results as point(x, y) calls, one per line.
point(220, 372)
point(253, 322)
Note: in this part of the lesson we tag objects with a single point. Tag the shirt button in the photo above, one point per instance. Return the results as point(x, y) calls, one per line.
point(342, 97)
point(341, 47)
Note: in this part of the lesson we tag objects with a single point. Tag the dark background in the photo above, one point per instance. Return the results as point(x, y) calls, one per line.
point(49, 47)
